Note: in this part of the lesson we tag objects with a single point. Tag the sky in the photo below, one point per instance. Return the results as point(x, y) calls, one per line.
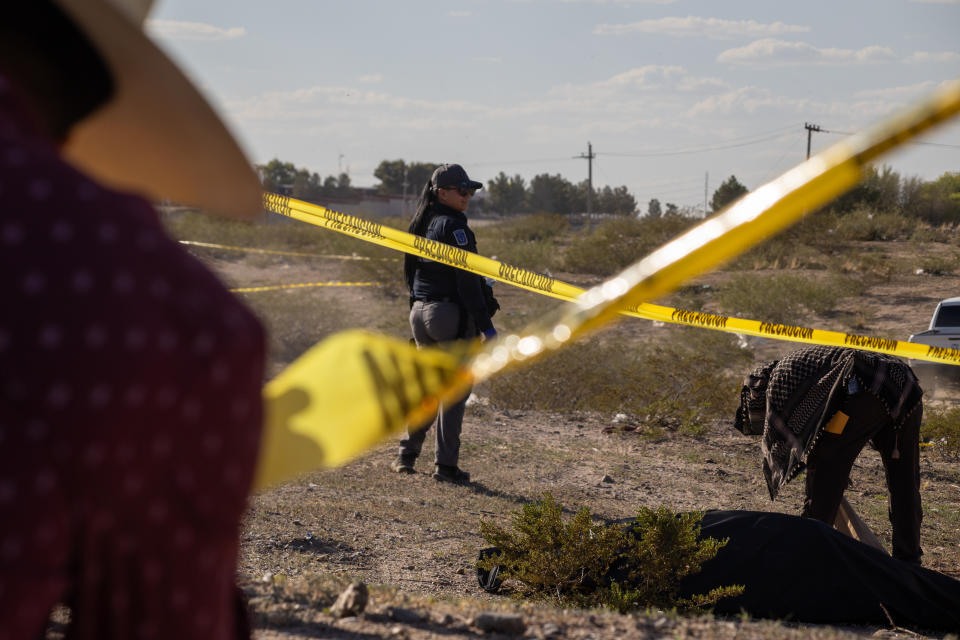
point(673, 95)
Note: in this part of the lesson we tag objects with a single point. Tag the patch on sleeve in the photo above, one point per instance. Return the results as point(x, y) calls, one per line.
point(460, 236)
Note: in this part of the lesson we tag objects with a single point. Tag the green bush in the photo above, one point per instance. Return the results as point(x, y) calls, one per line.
point(802, 246)
point(527, 228)
point(866, 264)
point(866, 224)
point(783, 297)
point(937, 265)
point(528, 241)
point(926, 233)
point(942, 428)
point(570, 562)
point(619, 242)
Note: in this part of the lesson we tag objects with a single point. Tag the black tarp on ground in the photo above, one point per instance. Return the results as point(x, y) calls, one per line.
point(801, 570)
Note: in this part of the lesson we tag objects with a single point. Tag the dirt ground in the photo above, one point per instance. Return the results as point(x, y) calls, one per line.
point(414, 541)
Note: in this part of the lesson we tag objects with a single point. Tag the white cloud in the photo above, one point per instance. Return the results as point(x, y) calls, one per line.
point(487, 59)
point(647, 77)
point(372, 78)
point(757, 102)
point(934, 56)
point(695, 26)
point(779, 53)
point(460, 14)
point(177, 30)
point(636, 100)
point(897, 93)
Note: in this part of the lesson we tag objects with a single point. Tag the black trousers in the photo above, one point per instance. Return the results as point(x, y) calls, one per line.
point(829, 464)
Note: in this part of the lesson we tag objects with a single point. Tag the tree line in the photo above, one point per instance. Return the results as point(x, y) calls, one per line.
point(512, 194)
point(507, 195)
point(284, 177)
point(882, 190)
point(727, 192)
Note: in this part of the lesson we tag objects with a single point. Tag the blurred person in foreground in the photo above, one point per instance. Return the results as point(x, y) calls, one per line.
point(130, 402)
point(446, 304)
point(817, 408)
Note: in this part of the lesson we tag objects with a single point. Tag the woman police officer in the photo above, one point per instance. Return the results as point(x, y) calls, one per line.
point(445, 304)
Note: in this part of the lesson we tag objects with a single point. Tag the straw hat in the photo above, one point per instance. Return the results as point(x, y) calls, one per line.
point(156, 135)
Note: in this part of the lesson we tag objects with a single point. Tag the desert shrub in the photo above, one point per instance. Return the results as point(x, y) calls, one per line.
point(780, 252)
point(927, 233)
point(801, 246)
point(784, 297)
point(550, 556)
point(528, 241)
point(571, 562)
point(942, 427)
point(686, 380)
point(538, 226)
point(865, 264)
point(866, 224)
point(619, 242)
point(937, 265)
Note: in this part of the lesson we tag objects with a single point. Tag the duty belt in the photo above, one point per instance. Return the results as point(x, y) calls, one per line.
point(441, 299)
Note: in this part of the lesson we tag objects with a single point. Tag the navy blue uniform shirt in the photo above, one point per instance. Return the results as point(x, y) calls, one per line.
point(435, 281)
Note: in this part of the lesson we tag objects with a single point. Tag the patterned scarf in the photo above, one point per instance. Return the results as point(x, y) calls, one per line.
point(801, 392)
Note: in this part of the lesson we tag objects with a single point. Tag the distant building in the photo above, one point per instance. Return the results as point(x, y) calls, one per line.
point(360, 202)
point(367, 203)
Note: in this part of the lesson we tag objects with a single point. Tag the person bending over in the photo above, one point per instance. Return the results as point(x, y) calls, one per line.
point(817, 408)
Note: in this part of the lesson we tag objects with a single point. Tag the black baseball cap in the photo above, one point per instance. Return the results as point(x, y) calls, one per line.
point(453, 175)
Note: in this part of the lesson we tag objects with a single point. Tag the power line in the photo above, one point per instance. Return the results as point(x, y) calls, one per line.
point(774, 168)
point(929, 144)
point(750, 140)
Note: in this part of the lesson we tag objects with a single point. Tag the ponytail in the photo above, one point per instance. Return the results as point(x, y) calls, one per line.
point(418, 226)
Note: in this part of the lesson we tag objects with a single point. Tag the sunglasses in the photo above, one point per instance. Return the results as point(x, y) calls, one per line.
point(463, 191)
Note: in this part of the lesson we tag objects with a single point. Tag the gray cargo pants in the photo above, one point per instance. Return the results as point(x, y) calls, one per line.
point(432, 323)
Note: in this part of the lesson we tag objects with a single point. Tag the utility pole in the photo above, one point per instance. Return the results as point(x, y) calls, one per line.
point(590, 155)
point(810, 129)
point(405, 185)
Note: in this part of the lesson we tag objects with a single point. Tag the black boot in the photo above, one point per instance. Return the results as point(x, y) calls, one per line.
point(404, 463)
point(451, 473)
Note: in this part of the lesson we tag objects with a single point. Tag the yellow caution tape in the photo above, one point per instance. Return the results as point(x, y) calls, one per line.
point(377, 233)
point(539, 283)
point(304, 284)
point(348, 393)
point(355, 388)
point(226, 247)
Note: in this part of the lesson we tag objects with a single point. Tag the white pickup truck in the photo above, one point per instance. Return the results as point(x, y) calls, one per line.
point(944, 331)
